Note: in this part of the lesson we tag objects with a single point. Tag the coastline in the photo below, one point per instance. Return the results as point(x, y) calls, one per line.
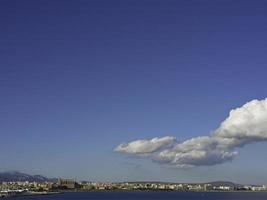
point(28, 194)
point(175, 191)
point(120, 191)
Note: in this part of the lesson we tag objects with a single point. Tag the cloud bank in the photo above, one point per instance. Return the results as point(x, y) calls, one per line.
point(244, 125)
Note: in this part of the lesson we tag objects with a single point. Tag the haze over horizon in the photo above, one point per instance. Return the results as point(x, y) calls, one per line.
point(153, 81)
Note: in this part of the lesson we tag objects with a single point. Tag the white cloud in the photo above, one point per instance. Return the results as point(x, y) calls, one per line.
point(145, 146)
point(244, 125)
point(198, 151)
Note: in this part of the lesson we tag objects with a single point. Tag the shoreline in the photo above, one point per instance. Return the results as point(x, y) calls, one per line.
point(111, 191)
point(28, 194)
point(181, 191)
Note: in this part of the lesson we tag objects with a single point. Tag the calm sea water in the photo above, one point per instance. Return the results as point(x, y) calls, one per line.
point(151, 195)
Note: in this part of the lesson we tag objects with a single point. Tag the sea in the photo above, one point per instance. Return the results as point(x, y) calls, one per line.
point(150, 196)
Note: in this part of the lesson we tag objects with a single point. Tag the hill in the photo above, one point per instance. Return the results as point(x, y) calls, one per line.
point(18, 176)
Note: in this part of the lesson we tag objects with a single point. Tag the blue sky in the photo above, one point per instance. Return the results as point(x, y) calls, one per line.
point(77, 78)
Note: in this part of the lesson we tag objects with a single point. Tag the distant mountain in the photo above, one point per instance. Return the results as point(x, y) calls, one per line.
point(18, 176)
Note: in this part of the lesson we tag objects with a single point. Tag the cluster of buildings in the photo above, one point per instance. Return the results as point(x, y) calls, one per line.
point(166, 186)
point(69, 184)
point(256, 188)
point(24, 188)
point(25, 185)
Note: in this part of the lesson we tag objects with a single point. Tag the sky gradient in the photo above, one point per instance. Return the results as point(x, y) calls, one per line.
point(77, 78)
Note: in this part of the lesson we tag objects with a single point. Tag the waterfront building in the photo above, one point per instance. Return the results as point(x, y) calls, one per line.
point(66, 183)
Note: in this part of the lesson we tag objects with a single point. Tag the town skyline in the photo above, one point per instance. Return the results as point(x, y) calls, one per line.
point(16, 177)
